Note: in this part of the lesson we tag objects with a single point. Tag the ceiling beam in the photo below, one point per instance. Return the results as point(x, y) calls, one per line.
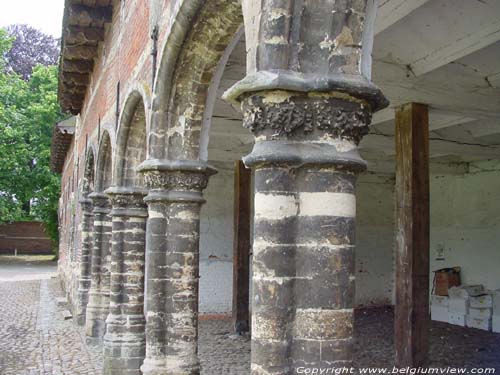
point(391, 11)
point(438, 147)
point(482, 37)
point(437, 119)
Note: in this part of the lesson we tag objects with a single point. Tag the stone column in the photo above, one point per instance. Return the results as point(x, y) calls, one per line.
point(308, 100)
point(124, 341)
point(84, 280)
point(172, 244)
point(98, 306)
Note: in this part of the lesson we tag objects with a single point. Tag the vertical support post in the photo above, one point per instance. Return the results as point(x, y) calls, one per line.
point(412, 235)
point(124, 341)
point(86, 250)
point(308, 100)
point(241, 247)
point(98, 306)
point(172, 244)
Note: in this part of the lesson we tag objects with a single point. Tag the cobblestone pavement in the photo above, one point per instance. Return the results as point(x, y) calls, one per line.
point(36, 339)
point(34, 336)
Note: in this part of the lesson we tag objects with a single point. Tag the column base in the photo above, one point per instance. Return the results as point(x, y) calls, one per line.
point(97, 312)
point(124, 345)
point(159, 367)
point(82, 297)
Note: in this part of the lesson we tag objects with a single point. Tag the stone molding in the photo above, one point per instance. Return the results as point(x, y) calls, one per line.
point(306, 114)
point(100, 202)
point(86, 205)
point(127, 202)
point(179, 175)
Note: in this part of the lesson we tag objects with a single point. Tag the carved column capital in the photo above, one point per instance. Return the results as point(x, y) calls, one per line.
point(86, 205)
point(100, 203)
point(179, 180)
point(282, 115)
point(127, 201)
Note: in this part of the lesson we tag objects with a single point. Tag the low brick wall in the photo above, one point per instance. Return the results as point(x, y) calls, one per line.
point(28, 237)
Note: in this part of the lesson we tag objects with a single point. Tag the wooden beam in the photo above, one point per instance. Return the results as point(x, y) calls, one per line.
point(411, 339)
point(241, 247)
point(391, 11)
point(482, 37)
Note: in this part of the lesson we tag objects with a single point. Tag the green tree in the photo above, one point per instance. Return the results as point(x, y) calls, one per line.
point(28, 112)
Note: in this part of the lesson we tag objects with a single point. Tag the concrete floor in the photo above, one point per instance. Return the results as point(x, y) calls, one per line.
point(35, 338)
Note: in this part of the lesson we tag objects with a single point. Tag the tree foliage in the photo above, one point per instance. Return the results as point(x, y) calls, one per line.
point(30, 47)
point(28, 112)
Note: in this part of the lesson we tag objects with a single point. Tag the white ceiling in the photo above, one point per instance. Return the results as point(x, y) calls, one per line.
point(445, 53)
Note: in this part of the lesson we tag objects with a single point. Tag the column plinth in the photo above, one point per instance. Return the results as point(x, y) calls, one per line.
point(172, 246)
point(85, 260)
point(124, 340)
point(98, 306)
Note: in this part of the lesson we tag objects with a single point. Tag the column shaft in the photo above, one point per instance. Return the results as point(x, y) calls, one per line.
point(306, 162)
point(85, 260)
point(124, 341)
point(98, 306)
point(173, 267)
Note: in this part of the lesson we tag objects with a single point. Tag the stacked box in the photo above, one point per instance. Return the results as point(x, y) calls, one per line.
point(484, 301)
point(496, 311)
point(439, 308)
point(479, 323)
point(456, 319)
point(480, 312)
point(495, 326)
point(458, 306)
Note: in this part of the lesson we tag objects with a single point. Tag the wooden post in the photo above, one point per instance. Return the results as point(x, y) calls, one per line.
point(241, 247)
point(412, 235)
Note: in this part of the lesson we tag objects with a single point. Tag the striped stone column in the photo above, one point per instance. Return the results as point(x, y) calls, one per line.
point(124, 340)
point(98, 306)
point(85, 256)
point(172, 245)
point(306, 161)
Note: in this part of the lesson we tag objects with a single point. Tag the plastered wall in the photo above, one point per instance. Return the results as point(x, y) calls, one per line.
point(216, 243)
point(465, 223)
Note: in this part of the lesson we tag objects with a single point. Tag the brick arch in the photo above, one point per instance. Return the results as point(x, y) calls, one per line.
point(131, 140)
point(104, 166)
point(188, 63)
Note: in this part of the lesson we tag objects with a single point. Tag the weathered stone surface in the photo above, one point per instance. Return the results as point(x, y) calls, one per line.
point(98, 306)
point(124, 341)
point(172, 247)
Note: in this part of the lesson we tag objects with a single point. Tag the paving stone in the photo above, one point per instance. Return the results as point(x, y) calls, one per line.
point(35, 339)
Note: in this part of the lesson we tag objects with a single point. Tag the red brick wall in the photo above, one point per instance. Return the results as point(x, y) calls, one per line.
point(27, 237)
point(124, 56)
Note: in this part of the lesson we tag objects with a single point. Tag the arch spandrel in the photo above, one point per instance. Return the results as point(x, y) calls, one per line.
point(188, 64)
point(104, 167)
point(131, 140)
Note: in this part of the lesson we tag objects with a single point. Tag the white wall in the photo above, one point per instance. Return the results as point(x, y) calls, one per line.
point(374, 239)
point(465, 221)
point(216, 243)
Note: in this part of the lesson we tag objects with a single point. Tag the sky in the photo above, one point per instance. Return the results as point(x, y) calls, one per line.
point(44, 15)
